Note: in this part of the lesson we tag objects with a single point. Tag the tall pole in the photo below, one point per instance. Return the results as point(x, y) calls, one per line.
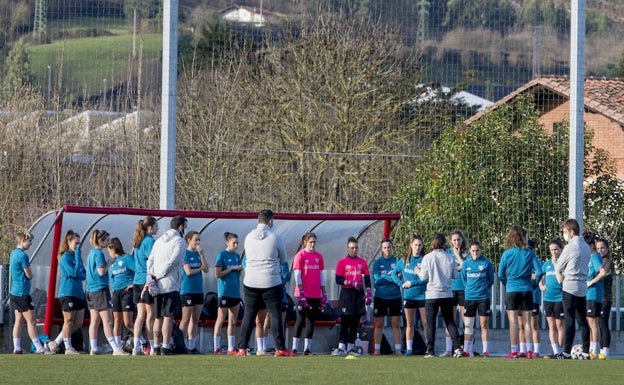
point(577, 131)
point(49, 95)
point(169, 96)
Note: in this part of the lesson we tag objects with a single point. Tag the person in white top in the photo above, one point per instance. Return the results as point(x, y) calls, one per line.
point(572, 269)
point(164, 270)
point(264, 253)
point(439, 268)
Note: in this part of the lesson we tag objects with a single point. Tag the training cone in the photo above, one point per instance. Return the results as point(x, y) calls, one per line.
point(350, 358)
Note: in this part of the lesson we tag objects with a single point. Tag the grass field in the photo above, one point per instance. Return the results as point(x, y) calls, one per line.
point(318, 370)
point(79, 66)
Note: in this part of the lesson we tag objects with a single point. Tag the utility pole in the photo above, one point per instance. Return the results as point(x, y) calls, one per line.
point(40, 25)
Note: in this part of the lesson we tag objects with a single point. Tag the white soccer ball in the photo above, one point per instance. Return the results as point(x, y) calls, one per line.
point(577, 352)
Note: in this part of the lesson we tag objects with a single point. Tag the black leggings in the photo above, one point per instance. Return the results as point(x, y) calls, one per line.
point(306, 317)
point(575, 310)
point(348, 328)
point(603, 325)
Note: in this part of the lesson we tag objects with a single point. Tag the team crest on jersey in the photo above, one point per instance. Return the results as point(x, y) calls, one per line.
point(481, 267)
point(119, 263)
point(344, 309)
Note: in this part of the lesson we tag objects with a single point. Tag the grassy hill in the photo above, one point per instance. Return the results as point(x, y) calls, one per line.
point(87, 66)
point(86, 50)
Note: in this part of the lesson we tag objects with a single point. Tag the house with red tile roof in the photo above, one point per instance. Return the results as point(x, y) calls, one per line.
point(604, 109)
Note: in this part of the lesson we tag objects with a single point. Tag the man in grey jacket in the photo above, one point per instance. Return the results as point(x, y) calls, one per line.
point(164, 267)
point(571, 270)
point(264, 253)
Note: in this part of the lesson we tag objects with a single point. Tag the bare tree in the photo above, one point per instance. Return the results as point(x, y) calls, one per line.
point(317, 114)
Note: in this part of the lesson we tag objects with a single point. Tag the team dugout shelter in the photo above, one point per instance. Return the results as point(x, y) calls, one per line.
point(332, 231)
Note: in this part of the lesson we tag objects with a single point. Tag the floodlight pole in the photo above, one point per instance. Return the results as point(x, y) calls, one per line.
point(169, 99)
point(577, 103)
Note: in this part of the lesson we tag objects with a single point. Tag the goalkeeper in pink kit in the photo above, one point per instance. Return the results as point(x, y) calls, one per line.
point(353, 276)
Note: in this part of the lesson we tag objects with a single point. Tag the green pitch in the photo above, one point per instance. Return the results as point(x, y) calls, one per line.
point(317, 370)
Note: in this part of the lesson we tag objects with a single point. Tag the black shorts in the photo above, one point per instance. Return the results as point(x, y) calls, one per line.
point(459, 298)
point(140, 296)
point(387, 307)
point(536, 310)
point(593, 309)
point(553, 309)
point(168, 304)
point(351, 302)
point(520, 300)
point(478, 306)
point(22, 303)
point(413, 303)
point(228, 302)
point(192, 299)
point(99, 300)
point(122, 300)
point(72, 303)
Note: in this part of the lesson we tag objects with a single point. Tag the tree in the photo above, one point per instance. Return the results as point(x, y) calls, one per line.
point(326, 116)
point(17, 65)
point(14, 15)
point(545, 12)
point(502, 170)
point(620, 67)
point(498, 15)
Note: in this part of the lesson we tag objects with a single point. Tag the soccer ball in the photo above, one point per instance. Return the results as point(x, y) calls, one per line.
point(577, 352)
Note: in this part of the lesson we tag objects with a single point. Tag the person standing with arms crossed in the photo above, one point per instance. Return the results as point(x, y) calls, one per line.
point(228, 266)
point(192, 289)
point(553, 295)
point(264, 253)
point(572, 269)
point(21, 301)
point(387, 299)
point(164, 267)
point(405, 276)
